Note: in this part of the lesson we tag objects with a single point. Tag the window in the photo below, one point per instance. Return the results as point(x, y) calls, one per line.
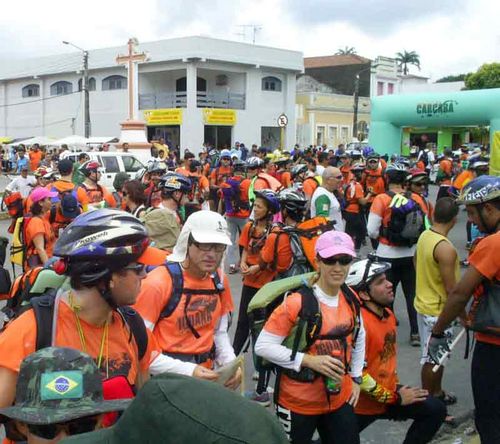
point(110, 164)
point(332, 133)
point(181, 84)
point(31, 91)
point(131, 164)
point(61, 88)
point(91, 84)
point(271, 84)
point(344, 134)
point(114, 82)
point(390, 88)
point(320, 134)
point(380, 88)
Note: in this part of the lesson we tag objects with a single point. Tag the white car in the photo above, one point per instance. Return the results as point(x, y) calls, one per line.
point(112, 162)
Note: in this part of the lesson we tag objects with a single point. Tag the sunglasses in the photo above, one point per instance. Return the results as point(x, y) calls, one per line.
point(420, 184)
point(74, 427)
point(138, 268)
point(218, 248)
point(333, 260)
point(373, 161)
point(225, 158)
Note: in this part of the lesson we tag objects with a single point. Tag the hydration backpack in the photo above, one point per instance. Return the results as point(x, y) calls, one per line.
point(484, 313)
point(233, 200)
point(407, 220)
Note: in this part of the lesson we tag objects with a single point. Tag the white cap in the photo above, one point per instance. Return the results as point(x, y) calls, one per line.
point(206, 227)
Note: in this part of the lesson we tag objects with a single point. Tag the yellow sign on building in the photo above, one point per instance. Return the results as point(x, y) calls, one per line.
point(165, 116)
point(212, 116)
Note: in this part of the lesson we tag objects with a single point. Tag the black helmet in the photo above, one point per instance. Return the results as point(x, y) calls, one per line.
point(271, 198)
point(298, 169)
point(239, 166)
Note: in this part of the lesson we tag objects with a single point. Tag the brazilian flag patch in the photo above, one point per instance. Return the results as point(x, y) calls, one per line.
point(61, 385)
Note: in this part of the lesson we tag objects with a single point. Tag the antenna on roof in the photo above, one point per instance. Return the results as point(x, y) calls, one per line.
point(254, 28)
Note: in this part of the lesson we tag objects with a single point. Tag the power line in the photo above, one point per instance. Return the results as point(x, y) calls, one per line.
point(39, 100)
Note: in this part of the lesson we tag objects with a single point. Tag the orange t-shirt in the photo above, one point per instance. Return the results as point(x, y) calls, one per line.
point(204, 311)
point(35, 159)
point(183, 170)
point(19, 340)
point(252, 241)
point(220, 174)
point(446, 166)
point(309, 186)
point(373, 181)
point(88, 196)
point(286, 179)
point(380, 357)
point(39, 225)
point(347, 175)
point(310, 398)
point(486, 260)
point(421, 165)
point(463, 179)
point(380, 207)
point(283, 253)
point(353, 192)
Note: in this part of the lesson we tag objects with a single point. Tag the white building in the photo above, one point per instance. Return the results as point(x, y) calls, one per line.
point(190, 90)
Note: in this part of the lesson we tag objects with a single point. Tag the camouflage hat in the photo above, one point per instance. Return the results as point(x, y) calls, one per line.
point(56, 385)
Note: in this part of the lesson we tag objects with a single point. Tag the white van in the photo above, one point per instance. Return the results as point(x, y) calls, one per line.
point(112, 162)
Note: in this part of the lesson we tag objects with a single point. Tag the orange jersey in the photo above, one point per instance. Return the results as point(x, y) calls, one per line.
point(91, 196)
point(310, 398)
point(380, 207)
point(220, 174)
point(120, 353)
point(252, 240)
point(309, 186)
point(446, 169)
point(347, 175)
point(352, 193)
point(380, 357)
point(282, 252)
point(35, 157)
point(203, 312)
point(39, 225)
point(486, 260)
point(286, 179)
point(373, 181)
point(463, 179)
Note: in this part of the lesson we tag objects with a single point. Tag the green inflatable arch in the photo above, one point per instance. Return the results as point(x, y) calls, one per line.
point(389, 114)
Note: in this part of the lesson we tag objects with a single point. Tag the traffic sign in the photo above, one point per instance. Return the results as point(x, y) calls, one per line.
point(282, 120)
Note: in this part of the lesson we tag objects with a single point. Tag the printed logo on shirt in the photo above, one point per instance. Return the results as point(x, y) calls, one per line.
point(389, 349)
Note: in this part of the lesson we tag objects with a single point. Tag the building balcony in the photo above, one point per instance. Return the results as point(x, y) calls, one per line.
point(163, 100)
point(220, 100)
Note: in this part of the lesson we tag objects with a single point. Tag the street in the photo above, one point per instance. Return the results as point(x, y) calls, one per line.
point(457, 373)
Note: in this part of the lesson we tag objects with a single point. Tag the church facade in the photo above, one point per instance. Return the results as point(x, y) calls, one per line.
point(189, 91)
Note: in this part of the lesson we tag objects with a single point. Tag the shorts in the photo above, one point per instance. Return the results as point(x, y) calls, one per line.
point(425, 325)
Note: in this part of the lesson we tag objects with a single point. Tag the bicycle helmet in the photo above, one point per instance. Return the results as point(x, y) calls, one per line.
point(292, 200)
point(480, 190)
point(41, 171)
point(396, 173)
point(255, 162)
point(301, 168)
point(362, 273)
point(89, 167)
point(172, 181)
point(119, 180)
point(479, 163)
point(358, 166)
point(416, 174)
point(373, 155)
point(225, 153)
point(155, 166)
point(271, 198)
point(239, 166)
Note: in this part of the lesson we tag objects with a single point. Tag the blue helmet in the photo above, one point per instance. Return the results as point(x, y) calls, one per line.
point(480, 190)
point(172, 181)
point(271, 198)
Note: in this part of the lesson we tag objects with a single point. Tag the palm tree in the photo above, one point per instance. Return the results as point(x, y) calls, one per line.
point(347, 50)
point(406, 58)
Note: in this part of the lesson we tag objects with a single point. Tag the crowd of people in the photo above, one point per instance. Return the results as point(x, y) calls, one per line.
point(147, 290)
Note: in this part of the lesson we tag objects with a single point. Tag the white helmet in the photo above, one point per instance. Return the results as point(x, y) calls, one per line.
point(363, 272)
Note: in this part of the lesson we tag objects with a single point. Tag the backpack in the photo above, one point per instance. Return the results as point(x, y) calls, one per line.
point(425, 158)
point(232, 196)
point(407, 221)
point(484, 313)
point(14, 204)
point(307, 326)
point(303, 239)
point(18, 247)
point(55, 214)
point(5, 281)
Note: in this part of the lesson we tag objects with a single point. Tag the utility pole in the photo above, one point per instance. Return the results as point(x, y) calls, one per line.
point(86, 113)
point(356, 104)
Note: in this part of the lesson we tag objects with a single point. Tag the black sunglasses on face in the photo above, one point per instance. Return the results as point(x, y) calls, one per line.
point(74, 427)
point(138, 268)
point(333, 260)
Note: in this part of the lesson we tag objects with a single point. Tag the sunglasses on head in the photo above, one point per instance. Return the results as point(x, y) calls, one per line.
point(339, 259)
point(74, 427)
point(138, 268)
point(218, 248)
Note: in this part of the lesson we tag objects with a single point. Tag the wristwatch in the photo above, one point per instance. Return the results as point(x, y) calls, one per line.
point(357, 379)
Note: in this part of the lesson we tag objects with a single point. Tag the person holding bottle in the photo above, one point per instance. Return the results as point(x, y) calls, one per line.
point(319, 386)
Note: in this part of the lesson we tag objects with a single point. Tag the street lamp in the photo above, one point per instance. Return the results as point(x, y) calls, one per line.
point(85, 86)
point(356, 100)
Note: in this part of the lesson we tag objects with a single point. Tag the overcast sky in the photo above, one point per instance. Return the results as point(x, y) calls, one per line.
point(451, 36)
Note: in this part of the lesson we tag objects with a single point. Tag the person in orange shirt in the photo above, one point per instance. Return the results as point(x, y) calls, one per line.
point(382, 397)
point(303, 181)
point(187, 302)
point(219, 175)
point(418, 181)
point(373, 178)
point(103, 256)
point(39, 237)
point(445, 173)
point(154, 172)
point(481, 198)
point(35, 157)
point(355, 222)
point(200, 190)
point(90, 193)
point(345, 169)
point(319, 387)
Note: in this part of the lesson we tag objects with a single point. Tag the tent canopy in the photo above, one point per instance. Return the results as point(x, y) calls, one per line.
point(41, 140)
point(71, 141)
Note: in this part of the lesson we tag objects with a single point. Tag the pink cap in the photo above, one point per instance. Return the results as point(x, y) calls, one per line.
point(41, 193)
point(333, 243)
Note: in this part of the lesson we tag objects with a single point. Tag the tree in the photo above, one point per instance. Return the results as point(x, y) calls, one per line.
point(406, 58)
point(487, 76)
point(452, 78)
point(347, 50)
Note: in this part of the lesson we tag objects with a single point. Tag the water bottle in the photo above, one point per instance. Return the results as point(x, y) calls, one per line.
point(333, 387)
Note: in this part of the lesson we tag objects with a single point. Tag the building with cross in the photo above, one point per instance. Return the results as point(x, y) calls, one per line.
point(189, 91)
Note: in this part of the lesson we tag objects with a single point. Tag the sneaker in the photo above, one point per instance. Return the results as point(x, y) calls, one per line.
point(415, 340)
point(264, 399)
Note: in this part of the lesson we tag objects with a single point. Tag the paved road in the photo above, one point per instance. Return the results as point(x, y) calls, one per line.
point(457, 374)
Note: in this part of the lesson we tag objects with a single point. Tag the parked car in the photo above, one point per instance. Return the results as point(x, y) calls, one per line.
point(112, 162)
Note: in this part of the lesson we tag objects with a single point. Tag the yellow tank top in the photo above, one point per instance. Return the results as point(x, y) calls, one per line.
point(430, 292)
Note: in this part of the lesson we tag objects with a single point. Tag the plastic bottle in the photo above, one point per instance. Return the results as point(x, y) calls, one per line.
point(333, 387)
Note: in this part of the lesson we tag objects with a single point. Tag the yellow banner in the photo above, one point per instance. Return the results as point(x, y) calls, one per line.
point(495, 155)
point(166, 116)
point(213, 116)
